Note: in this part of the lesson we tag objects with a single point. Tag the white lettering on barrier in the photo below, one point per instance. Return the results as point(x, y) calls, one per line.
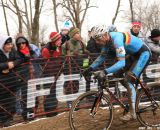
point(60, 83)
point(32, 91)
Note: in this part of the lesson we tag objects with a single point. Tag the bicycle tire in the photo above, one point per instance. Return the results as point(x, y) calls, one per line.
point(145, 113)
point(81, 108)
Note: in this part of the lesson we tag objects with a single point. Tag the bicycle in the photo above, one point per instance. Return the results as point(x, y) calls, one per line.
point(96, 107)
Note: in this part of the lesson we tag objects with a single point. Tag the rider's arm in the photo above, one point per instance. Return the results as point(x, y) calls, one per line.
point(120, 54)
point(100, 59)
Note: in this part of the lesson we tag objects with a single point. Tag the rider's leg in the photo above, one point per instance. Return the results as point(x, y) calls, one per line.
point(130, 80)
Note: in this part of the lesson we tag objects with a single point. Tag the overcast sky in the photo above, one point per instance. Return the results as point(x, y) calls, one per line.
point(103, 14)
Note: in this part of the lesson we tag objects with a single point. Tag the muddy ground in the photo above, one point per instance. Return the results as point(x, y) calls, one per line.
point(60, 122)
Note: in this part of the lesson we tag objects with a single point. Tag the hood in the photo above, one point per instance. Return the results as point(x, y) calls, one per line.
point(2, 41)
point(21, 38)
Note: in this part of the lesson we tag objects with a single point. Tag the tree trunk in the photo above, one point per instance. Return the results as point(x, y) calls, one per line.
point(19, 17)
point(117, 10)
point(35, 24)
point(5, 17)
point(28, 22)
point(55, 14)
point(131, 8)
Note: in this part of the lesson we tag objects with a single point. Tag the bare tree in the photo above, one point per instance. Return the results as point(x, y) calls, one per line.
point(148, 13)
point(76, 10)
point(116, 13)
point(5, 17)
point(55, 5)
point(131, 9)
point(26, 21)
point(35, 24)
point(18, 15)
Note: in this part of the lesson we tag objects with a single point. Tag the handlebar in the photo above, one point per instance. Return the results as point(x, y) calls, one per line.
point(96, 78)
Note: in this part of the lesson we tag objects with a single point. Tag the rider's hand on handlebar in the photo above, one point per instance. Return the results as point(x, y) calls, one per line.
point(87, 73)
point(100, 74)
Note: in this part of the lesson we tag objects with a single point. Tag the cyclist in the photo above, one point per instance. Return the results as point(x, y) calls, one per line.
point(123, 44)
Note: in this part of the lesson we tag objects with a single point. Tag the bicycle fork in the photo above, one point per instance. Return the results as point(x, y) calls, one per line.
point(96, 104)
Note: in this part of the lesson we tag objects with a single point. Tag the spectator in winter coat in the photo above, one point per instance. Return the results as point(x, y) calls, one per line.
point(51, 50)
point(26, 51)
point(136, 27)
point(9, 59)
point(74, 46)
point(64, 34)
point(153, 43)
point(53, 47)
point(92, 47)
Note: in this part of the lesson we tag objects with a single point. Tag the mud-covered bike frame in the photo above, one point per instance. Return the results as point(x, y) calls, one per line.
point(142, 106)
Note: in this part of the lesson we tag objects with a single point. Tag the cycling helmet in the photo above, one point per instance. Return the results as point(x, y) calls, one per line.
point(98, 31)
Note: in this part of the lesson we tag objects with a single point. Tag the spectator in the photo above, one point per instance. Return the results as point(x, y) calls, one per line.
point(153, 43)
point(9, 59)
point(64, 32)
point(26, 51)
point(53, 47)
point(74, 46)
point(136, 29)
point(92, 47)
point(51, 50)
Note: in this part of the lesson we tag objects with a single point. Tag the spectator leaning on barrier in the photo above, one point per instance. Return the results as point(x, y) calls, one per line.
point(9, 59)
point(53, 47)
point(51, 50)
point(26, 49)
point(74, 46)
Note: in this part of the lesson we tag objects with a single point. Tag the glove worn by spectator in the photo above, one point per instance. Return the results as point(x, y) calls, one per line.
point(100, 74)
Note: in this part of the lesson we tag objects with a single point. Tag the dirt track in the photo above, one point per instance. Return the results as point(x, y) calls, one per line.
point(60, 122)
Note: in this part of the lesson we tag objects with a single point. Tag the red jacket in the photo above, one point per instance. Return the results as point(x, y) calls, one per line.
point(48, 51)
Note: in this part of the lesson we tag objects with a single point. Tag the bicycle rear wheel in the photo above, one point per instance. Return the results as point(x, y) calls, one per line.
point(80, 117)
point(148, 113)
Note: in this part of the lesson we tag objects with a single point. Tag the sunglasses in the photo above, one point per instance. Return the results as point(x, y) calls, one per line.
point(21, 43)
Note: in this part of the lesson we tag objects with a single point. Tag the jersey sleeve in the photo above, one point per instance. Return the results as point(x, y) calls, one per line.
point(120, 54)
point(100, 59)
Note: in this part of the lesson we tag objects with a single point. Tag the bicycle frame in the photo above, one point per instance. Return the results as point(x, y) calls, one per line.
point(114, 97)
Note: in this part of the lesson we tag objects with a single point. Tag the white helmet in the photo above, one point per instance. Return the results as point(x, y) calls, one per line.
point(98, 31)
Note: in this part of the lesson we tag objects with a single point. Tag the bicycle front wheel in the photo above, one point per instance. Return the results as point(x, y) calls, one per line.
point(81, 117)
point(148, 112)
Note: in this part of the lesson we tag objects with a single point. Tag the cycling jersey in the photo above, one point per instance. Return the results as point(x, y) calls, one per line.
point(123, 43)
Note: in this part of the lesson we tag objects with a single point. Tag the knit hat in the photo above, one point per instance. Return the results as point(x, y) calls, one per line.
point(73, 31)
point(67, 25)
point(155, 33)
point(54, 37)
point(136, 22)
